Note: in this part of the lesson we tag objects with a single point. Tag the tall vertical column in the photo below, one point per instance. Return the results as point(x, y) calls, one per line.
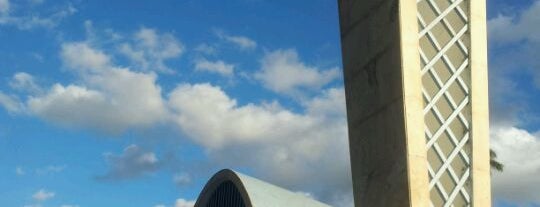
point(416, 87)
point(481, 179)
point(384, 102)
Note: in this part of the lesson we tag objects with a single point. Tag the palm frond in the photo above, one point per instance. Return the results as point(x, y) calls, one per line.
point(496, 165)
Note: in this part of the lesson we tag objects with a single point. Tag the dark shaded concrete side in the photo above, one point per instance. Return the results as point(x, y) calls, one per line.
point(370, 42)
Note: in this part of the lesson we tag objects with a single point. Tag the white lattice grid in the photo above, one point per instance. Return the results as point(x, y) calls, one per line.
point(442, 91)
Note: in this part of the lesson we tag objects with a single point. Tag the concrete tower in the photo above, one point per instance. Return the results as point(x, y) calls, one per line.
point(417, 101)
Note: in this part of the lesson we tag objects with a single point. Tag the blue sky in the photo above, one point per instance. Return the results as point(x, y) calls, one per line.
point(138, 103)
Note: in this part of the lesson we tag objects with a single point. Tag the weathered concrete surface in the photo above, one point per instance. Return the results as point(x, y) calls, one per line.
point(384, 104)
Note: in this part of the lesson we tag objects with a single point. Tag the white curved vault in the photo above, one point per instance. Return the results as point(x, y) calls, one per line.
point(228, 188)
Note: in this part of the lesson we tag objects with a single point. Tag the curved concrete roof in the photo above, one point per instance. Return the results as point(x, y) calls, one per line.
point(255, 193)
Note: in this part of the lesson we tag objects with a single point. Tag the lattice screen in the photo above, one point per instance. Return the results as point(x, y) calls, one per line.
point(444, 51)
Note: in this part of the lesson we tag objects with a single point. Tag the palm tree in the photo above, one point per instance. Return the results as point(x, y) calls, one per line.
point(496, 165)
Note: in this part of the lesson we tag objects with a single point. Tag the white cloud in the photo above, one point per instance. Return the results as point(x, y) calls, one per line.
point(10, 103)
point(283, 72)
point(242, 42)
point(519, 34)
point(70, 105)
point(519, 151)
point(43, 195)
point(75, 106)
point(213, 119)
point(184, 203)
point(218, 67)
point(150, 50)
point(4, 7)
point(159, 205)
point(24, 82)
point(108, 98)
point(133, 162)
point(498, 29)
point(517, 148)
point(329, 104)
point(26, 22)
point(206, 49)
point(511, 29)
point(181, 179)
point(283, 147)
point(81, 56)
point(515, 46)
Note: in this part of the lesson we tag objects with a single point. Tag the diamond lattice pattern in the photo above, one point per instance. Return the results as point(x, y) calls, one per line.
point(444, 53)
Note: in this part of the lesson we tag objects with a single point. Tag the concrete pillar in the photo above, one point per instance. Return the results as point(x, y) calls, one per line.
point(416, 87)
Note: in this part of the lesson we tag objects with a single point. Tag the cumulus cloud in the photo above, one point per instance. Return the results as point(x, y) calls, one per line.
point(24, 82)
point(181, 179)
point(218, 67)
point(283, 72)
point(286, 148)
point(109, 98)
point(242, 42)
point(515, 45)
point(105, 97)
point(184, 203)
point(149, 50)
point(81, 56)
point(77, 106)
point(514, 53)
point(212, 118)
point(497, 29)
point(515, 40)
point(10, 103)
point(519, 151)
point(133, 162)
point(504, 28)
point(43, 195)
point(329, 104)
point(62, 101)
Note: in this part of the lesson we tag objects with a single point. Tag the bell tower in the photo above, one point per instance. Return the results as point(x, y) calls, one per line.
point(417, 101)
